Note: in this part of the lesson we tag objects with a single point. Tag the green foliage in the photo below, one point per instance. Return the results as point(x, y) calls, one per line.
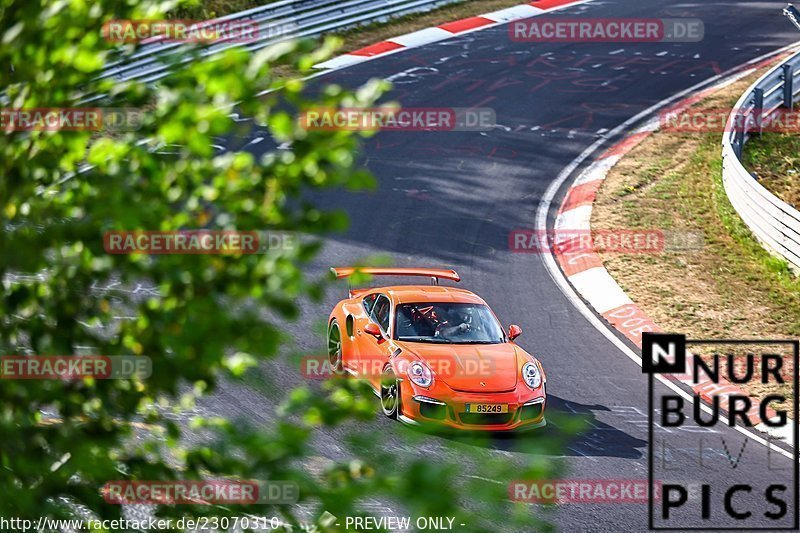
point(200, 318)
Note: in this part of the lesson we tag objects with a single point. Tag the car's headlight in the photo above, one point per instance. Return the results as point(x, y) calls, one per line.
point(531, 375)
point(420, 374)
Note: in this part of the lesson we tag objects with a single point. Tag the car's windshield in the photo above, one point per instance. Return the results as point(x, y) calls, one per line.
point(447, 323)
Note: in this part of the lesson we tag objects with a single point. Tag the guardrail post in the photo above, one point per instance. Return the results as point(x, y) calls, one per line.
point(739, 127)
point(738, 139)
point(788, 86)
point(758, 108)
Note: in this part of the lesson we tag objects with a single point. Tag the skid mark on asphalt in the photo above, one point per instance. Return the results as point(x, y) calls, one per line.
point(667, 454)
point(419, 194)
point(412, 75)
point(621, 384)
point(638, 418)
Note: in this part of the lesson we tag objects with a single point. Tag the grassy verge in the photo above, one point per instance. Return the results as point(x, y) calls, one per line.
point(775, 159)
point(730, 288)
point(359, 37)
point(209, 9)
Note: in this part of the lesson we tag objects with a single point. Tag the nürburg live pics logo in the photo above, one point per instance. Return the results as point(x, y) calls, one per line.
point(722, 424)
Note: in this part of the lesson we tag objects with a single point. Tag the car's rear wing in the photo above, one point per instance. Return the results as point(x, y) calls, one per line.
point(433, 273)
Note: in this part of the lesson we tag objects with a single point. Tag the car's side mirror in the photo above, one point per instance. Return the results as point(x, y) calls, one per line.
point(514, 331)
point(373, 329)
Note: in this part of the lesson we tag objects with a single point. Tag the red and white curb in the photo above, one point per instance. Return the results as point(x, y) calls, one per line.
point(590, 279)
point(446, 31)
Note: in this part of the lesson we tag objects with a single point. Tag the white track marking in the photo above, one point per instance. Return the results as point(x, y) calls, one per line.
point(422, 37)
point(597, 286)
point(513, 13)
point(576, 219)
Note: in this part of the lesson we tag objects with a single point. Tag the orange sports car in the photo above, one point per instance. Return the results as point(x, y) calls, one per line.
point(436, 354)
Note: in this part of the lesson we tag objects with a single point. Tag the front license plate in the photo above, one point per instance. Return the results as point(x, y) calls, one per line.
point(487, 407)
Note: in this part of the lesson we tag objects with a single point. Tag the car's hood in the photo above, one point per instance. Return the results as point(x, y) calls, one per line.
point(470, 367)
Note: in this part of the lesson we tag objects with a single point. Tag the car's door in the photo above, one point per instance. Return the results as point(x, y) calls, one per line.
point(377, 350)
point(362, 342)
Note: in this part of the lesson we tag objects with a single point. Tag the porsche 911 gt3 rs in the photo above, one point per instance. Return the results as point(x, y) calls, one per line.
point(436, 354)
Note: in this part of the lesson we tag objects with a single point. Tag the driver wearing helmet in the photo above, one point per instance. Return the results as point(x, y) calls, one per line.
point(458, 323)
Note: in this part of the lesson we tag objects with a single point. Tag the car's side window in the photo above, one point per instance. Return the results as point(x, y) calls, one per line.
point(380, 313)
point(369, 302)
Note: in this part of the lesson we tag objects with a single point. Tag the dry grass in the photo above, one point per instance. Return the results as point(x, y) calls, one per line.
point(209, 9)
point(730, 288)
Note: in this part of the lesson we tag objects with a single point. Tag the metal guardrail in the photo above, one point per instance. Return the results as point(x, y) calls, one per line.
point(774, 222)
point(277, 22)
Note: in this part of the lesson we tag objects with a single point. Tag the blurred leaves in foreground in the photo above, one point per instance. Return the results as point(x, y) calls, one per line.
point(200, 318)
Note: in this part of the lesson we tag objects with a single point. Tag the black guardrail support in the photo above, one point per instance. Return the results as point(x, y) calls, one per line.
point(758, 108)
point(738, 138)
point(788, 86)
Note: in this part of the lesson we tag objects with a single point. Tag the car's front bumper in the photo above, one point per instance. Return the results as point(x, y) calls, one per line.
point(447, 407)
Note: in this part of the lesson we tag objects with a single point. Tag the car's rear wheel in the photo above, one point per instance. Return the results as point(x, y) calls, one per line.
point(335, 346)
point(390, 393)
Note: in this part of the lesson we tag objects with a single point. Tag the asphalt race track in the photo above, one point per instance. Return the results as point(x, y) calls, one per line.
point(451, 199)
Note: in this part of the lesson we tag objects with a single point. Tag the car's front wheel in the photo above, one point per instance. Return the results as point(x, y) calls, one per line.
point(390, 393)
point(335, 346)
